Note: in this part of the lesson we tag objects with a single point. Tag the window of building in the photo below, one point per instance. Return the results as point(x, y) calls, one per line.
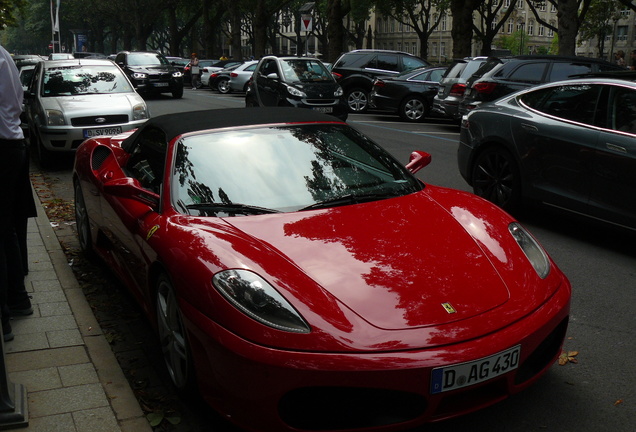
point(541, 30)
point(531, 27)
point(511, 26)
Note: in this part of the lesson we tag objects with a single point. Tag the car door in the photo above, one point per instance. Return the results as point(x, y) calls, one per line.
point(613, 192)
point(556, 143)
point(267, 86)
point(126, 221)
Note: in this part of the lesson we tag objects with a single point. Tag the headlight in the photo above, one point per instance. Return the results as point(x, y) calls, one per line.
point(177, 74)
point(139, 75)
point(256, 298)
point(535, 253)
point(140, 112)
point(295, 92)
point(54, 117)
point(338, 92)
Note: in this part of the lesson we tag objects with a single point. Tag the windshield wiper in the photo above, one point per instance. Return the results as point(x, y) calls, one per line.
point(232, 208)
point(350, 199)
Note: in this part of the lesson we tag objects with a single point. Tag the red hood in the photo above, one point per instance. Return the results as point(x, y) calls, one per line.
point(389, 262)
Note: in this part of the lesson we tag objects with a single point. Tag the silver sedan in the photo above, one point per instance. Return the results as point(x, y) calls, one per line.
point(240, 77)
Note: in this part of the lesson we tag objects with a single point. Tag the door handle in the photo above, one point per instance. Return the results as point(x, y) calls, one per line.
point(616, 148)
point(529, 127)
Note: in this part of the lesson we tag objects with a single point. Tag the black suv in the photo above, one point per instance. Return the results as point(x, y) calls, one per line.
point(356, 70)
point(151, 72)
point(499, 77)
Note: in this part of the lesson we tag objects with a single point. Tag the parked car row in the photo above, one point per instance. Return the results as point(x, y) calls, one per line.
point(472, 81)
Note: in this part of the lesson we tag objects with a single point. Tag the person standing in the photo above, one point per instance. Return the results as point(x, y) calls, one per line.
point(195, 71)
point(13, 159)
point(620, 58)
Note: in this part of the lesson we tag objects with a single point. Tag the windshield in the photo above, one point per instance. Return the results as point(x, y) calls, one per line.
point(82, 79)
point(305, 70)
point(146, 59)
point(283, 169)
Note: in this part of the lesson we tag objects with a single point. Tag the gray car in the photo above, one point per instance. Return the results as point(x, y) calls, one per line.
point(452, 86)
point(570, 144)
point(71, 100)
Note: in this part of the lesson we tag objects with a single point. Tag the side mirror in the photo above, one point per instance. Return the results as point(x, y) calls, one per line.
point(272, 76)
point(417, 161)
point(130, 188)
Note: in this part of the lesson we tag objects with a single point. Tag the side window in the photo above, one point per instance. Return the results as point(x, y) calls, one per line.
point(149, 158)
point(436, 75)
point(569, 102)
point(269, 67)
point(561, 71)
point(529, 72)
point(623, 110)
point(409, 63)
point(386, 62)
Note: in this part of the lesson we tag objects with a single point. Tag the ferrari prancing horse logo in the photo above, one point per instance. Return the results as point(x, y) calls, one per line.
point(449, 308)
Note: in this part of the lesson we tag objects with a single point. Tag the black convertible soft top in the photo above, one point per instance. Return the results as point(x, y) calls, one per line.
point(180, 123)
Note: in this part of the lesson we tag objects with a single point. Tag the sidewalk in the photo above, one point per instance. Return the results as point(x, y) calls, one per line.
point(60, 355)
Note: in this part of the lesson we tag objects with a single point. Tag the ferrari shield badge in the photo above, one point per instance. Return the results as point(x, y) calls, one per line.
point(151, 232)
point(449, 308)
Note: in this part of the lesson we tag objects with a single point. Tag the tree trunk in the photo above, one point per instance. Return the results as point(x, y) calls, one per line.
point(567, 14)
point(462, 30)
point(335, 31)
point(260, 29)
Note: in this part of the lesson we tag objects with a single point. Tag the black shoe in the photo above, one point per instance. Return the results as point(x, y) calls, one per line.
point(7, 332)
point(22, 308)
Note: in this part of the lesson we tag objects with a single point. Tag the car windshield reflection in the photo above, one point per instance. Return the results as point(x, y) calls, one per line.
point(283, 169)
point(81, 80)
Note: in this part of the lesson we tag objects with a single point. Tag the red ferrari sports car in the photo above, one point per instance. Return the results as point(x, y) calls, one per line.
point(303, 279)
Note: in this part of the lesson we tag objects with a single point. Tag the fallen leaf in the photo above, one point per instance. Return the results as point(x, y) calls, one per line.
point(568, 357)
point(618, 402)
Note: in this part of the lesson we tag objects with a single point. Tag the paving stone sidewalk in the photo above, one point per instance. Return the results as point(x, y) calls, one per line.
point(72, 379)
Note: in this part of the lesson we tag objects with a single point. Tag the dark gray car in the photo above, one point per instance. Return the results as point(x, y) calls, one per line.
point(569, 144)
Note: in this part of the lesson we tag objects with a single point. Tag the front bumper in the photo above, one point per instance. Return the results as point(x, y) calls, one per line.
point(69, 138)
point(266, 389)
point(334, 107)
point(157, 85)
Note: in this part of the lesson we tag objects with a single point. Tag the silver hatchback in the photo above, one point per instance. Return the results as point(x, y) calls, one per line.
point(71, 100)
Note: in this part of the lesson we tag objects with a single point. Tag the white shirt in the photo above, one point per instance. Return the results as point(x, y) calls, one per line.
point(11, 95)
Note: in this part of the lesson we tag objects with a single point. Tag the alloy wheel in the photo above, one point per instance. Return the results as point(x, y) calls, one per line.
point(172, 335)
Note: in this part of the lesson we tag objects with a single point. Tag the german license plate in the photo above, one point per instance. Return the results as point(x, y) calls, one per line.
point(89, 133)
point(323, 109)
point(161, 84)
point(461, 375)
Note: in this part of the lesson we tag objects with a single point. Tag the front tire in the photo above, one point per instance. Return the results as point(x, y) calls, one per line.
point(357, 100)
point(177, 93)
point(172, 336)
point(413, 109)
point(496, 177)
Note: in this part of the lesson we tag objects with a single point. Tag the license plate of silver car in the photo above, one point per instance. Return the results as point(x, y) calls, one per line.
point(89, 133)
point(460, 375)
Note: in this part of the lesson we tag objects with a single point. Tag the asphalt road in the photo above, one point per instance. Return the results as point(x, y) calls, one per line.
point(598, 393)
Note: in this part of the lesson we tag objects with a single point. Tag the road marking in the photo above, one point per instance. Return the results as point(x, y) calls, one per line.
point(426, 134)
